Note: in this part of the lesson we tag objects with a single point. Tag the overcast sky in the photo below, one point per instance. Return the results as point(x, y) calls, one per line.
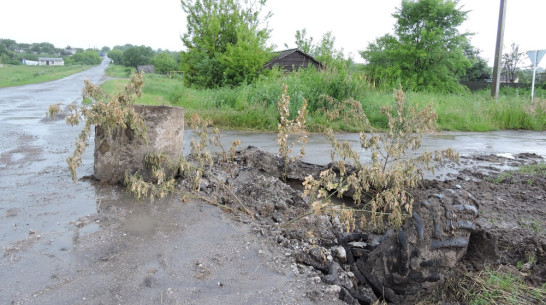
point(159, 23)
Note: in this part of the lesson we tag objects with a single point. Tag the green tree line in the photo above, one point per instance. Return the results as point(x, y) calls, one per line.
point(227, 44)
point(14, 53)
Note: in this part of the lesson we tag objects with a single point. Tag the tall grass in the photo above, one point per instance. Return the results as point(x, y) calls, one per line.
point(254, 106)
point(119, 71)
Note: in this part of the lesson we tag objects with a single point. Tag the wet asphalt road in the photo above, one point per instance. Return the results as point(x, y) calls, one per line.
point(66, 243)
point(87, 243)
point(37, 199)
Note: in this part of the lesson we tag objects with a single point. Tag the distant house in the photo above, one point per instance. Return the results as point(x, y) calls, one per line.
point(50, 61)
point(293, 59)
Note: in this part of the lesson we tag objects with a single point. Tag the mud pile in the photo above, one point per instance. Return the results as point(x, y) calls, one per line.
point(445, 232)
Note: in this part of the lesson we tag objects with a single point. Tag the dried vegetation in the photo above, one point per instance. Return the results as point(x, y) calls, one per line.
point(379, 189)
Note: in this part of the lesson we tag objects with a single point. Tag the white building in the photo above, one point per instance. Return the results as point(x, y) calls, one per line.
point(49, 61)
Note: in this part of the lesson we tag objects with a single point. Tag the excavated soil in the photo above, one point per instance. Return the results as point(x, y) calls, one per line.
point(509, 230)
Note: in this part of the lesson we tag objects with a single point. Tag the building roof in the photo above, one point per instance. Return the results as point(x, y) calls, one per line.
point(283, 54)
point(50, 58)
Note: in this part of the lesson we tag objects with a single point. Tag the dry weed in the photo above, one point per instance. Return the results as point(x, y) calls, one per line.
point(108, 112)
point(378, 188)
point(287, 127)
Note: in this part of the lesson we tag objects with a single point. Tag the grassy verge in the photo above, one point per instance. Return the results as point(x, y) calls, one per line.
point(496, 286)
point(525, 170)
point(119, 71)
point(11, 75)
point(254, 106)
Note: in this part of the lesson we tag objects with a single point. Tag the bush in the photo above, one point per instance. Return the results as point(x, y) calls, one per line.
point(89, 57)
point(315, 85)
point(137, 56)
point(164, 63)
point(116, 56)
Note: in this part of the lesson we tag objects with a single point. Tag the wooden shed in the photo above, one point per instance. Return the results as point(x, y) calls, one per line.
point(293, 59)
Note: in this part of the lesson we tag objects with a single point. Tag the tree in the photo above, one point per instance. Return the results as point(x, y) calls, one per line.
point(164, 63)
point(116, 55)
point(123, 47)
point(10, 44)
point(7, 55)
point(479, 69)
point(510, 62)
point(217, 30)
point(137, 56)
point(244, 59)
point(88, 57)
point(303, 43)
point(426, 51)
point(324, 51)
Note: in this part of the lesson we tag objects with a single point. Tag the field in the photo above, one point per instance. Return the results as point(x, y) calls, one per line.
point(254, 106)
point(11, 75)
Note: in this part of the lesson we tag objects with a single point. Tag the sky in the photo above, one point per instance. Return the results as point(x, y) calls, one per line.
point(160, 23)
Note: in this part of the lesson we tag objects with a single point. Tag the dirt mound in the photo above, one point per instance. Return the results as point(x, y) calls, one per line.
point(479, 217)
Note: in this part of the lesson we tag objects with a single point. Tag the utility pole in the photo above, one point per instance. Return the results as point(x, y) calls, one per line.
point(498, 52)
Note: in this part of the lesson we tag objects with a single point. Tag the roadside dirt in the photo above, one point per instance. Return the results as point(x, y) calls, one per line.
point(510, 229)
point(88, 243)
point(169, 252)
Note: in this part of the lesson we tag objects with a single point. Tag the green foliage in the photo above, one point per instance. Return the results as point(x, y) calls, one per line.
point(324, 51)
point(119, 71)
point(7, 52)
point(479, 69)
point(137, 56)
point(116, 55)
point(221, 34)
point(43, 48)
point(426, 52)
point(245, 59)
point(254, 106)
point(303, 43)
point(88, 57)
point(123, 47)
point(164, 63)
point(498, 286)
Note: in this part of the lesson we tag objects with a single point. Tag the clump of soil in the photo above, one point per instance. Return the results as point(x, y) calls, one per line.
point(505, 224)
point(510, 232)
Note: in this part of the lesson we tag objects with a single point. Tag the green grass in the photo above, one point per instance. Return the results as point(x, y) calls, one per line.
point(498, 287)
point(119, 71)
point(253, 106)
point(532, 169)
point(17, 75)
point(539, 168)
